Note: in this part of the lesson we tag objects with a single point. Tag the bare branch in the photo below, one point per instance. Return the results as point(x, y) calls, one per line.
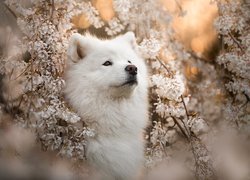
point(182, 99)
point(181, 128)
point(164, 65)
point(52, 9)
point(236, 42)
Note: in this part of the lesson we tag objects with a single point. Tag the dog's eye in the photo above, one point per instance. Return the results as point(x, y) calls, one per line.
point(107, 63)
point(129, 62)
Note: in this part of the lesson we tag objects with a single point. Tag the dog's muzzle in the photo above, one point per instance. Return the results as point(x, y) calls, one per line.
point(131, 69)
point(132, 75)
point(131, 80)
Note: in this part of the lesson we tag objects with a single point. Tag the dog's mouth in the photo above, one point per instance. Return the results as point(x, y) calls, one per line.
point(130, 82)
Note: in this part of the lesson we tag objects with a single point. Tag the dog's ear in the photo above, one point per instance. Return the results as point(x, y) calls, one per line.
point(78, 47)
point(130, 38)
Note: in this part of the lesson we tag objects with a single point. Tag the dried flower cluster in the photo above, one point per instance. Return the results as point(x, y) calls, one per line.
point(40, 71)
point(234, 30)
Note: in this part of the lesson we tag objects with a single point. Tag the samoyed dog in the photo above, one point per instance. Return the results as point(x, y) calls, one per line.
point(106, 83)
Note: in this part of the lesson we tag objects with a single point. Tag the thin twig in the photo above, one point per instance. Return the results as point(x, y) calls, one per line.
point(164, 65)
point(182, 99)
point(236, 42)
point(163, 149)
point(188, 132)
point(187, 114)
point(181, 128)
point(25, 70)
point(20, 102)
point(10, 10)
point(52, 9)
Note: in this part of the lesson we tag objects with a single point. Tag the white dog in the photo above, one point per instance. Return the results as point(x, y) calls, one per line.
point(106, 83)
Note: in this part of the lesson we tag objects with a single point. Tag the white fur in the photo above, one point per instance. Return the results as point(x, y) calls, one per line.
point(117, 113)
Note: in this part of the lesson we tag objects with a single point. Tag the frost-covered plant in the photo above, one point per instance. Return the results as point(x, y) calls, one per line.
point(44, 27)
point(233, 28)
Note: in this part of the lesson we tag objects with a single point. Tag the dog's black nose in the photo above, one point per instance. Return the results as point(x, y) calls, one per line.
point(131, 69)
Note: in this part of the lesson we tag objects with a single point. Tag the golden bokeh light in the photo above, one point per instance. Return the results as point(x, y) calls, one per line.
point(105, 8)
point(81, 21)
point(193, 23)
point(194, 28)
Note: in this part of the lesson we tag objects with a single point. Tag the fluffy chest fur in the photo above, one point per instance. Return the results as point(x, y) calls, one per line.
point(111, 116)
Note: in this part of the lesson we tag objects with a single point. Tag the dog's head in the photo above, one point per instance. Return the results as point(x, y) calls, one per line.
point(112, 67)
